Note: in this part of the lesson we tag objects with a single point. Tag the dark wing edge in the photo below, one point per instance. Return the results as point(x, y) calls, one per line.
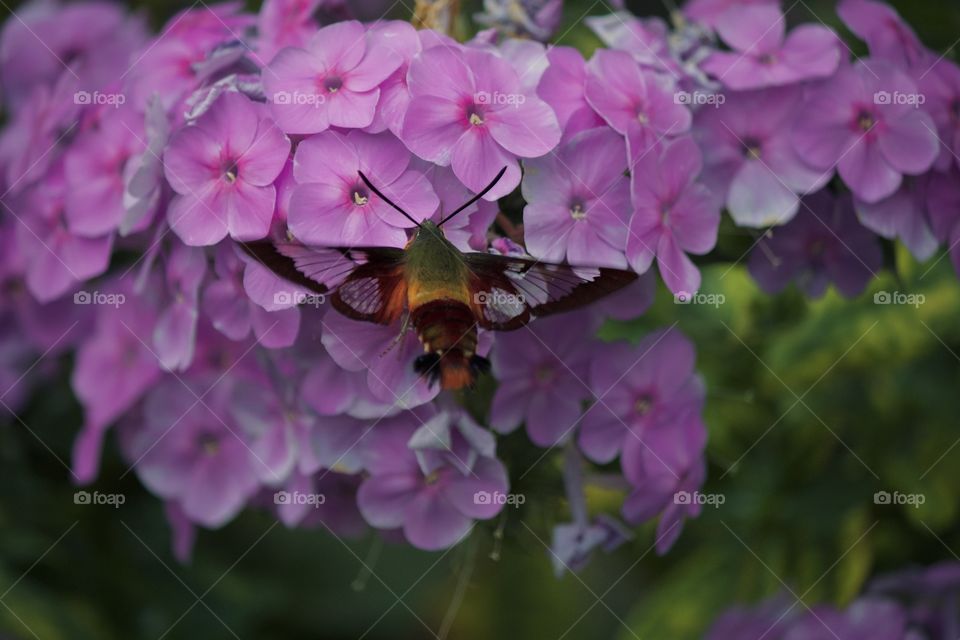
point(365, 283)
point(510, 291)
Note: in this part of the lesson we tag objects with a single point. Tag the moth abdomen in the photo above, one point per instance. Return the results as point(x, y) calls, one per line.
point(448, 331)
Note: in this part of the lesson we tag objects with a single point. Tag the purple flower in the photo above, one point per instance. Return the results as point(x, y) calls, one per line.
point(333, 80)
point(55, 259)
point(429, 495)
point(28, 143)
point(764, 56)
point(885, 32)
point(749, 156)
point(285, 23)
point(234, 314)
point(174, 337)
point(940, 87)
point(113, 369)
point(645, 39)
point(94, 40)
point(666, 468)
point(468, 110)
point(638, 389)
point(823, 244)
point(186, 452)
point(578, 208)
point(944, 206)
point(394, 95)
point(94, 168)
point(223, 169)
point(903, 215)
point(363, 346)
point(562, 87)
point(767, 621)
point(709, 12)
point(861, 122)
point(673, 215)
point(331, 206)
point(637, 103)
point(572, 544)
point(866, 618)
point(539, 383)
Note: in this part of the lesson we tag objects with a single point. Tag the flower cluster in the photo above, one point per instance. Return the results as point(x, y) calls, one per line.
point(913, 603)
point(131, 164)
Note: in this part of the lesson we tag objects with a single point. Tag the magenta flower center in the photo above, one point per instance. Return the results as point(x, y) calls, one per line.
point(209, 445)
point(865, 120)
point(332, 84)
point(230, 171)
point(752, 148)
point(360, 196)
point(643, 404)
point(577, 210)
point(768, 59)
point(545, 374)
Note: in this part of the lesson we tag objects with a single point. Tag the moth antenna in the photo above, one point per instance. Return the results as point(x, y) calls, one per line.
point(370, 186)
point(469, 202)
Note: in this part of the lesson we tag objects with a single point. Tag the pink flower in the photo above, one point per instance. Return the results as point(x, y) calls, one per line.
point(673, 215)
point(334, 80)
point(862, 123)
point(639, 104)
point(562, 87)
point(223, 169)
point(764, 56)
point(331, 206)
point(469, 111)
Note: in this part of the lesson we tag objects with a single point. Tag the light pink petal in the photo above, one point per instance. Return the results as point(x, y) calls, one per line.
point(910, 143)
point(441, 72)
point(528, 130)
point(350, 109)
point(383, 500)
point(249, 210)
point(752, 30)
point(868, 174)
point(196, 221)
point(339, 46)
point(327, 157)
point(432, 126)
point(432, 523)
point(191, 160)
point(758, 198)
point(264, 160)
point(477, 158)
point(676, 269)
point(275, 329)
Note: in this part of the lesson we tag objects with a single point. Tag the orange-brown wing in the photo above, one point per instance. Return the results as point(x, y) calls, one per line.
point(365, 283)
point(508, 292)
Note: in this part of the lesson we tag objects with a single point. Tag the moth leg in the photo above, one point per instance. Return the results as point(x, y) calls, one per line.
point(404, 327)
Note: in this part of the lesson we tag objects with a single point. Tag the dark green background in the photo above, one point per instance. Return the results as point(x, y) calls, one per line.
point(799, 507)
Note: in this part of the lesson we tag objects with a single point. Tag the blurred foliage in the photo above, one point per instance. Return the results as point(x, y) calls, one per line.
point(813, 407)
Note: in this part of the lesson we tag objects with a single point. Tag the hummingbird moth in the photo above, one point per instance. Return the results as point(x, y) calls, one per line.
point(444, 293)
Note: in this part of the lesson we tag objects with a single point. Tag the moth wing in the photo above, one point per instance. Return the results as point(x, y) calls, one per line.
point(508, 292)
